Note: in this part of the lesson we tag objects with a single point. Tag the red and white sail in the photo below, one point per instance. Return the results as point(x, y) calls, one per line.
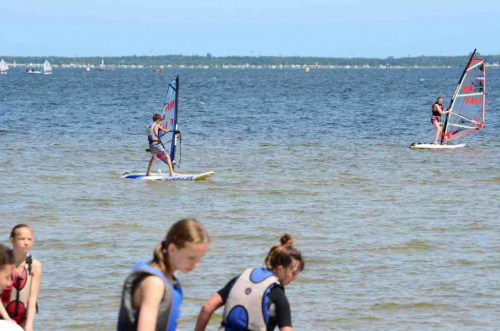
point(468, 102)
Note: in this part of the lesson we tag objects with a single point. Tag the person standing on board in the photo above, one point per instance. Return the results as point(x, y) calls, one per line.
point(155, 145)
point(152, 295)
point(6, 267)
point(256, 300)
point(19, 301)
point(437, 112)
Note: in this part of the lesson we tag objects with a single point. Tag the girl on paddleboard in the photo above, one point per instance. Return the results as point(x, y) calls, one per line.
point(256, 300)
point(437, 111)
point(152, 295)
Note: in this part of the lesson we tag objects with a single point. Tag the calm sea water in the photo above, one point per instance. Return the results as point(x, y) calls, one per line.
point(393, 238)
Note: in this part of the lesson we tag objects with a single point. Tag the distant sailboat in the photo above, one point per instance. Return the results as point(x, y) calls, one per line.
point(102, 67)
point(88, 67)
point(47, 68)
point(3, 67)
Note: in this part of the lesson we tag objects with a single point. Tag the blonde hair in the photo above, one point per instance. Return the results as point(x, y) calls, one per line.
point(283, 254)
point(185, 231)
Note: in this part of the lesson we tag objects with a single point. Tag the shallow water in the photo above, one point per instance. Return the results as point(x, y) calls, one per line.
point(393, 238)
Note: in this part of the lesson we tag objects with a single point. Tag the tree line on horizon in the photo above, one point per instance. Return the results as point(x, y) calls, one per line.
point(218, 61)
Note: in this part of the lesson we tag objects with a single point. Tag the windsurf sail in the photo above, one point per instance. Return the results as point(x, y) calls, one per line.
point(3, 67)
point(170, 110)
point(47, 68)
point(468, 102)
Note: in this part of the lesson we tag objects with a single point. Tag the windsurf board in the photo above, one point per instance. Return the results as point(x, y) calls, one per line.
point(160, 176)
point(432, 146)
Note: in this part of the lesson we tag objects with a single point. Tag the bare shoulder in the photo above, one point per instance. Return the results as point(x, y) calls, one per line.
point(153, 283)
point(152, 289)
point(37, 265)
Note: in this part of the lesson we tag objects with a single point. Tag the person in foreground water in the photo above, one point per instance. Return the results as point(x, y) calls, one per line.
point(437, 112)
point(256, 300)
point(6, 267)
point(19, 300)
point(152, 295)
point(156, 147)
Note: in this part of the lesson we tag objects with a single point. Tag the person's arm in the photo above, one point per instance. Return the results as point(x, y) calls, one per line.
point(215, 302)
point(36, 269)
point(212, 304)
point(283, 313)
point(442, 112)
point(152, 290)
point(163, 129)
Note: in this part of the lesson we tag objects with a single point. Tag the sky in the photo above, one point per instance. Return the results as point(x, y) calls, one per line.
point(326, 28)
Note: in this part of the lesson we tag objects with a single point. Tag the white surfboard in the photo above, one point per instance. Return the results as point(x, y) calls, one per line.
point(432, 146)
point(160, 176)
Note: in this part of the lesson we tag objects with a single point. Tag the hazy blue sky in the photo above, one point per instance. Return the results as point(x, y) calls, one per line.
point(335, 28)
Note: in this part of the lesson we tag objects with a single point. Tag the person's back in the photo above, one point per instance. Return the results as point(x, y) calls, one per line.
point(256, 300)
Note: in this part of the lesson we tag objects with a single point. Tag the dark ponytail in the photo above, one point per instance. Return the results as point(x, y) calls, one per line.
point(284, 254)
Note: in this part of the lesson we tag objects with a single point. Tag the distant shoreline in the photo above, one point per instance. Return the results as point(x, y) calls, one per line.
point(246, 62)
point(236, 67)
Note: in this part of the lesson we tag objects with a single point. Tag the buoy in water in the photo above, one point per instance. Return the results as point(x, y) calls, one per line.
point(307, 69)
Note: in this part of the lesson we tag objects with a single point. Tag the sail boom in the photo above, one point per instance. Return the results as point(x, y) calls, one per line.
point(464, 118)
point(475, 65)
point(464, 126)
point(469, 95)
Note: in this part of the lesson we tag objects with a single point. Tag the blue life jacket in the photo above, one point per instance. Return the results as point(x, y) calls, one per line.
point(170, 305)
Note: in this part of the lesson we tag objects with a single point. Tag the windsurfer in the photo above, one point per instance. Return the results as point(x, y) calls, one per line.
point(437, 112)
point(156, 146)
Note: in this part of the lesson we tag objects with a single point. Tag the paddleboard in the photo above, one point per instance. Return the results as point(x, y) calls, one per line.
point(159, 176)
point(432, 146)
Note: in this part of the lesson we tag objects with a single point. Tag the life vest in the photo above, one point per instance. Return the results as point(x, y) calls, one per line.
point(153, 138)
point(15, 297)
point(434, 112)
point(170, 305)
point(247, 306)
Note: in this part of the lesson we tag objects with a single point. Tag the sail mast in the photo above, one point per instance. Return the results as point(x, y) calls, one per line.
point(175, 127)
point(457, 89)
